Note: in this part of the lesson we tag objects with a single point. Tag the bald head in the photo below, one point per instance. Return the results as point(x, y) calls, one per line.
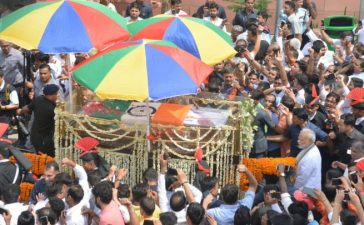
point(5, 47)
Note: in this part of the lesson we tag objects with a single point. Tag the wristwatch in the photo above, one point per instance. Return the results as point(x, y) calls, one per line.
point(282, 174)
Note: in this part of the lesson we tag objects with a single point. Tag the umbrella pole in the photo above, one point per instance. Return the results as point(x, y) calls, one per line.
point(70, 92)
point(277, 23)
point(148, 126)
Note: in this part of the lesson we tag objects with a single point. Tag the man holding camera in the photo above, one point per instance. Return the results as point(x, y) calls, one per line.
point(9, 100)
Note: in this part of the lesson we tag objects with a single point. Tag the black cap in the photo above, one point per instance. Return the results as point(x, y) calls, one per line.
point(50, 89)
point(88, 157)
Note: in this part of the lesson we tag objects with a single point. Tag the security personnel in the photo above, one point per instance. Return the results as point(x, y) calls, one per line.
point(9, 172)
point(9, 100)
point(42, 132)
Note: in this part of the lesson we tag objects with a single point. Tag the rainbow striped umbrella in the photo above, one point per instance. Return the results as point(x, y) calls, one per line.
point(142, 70)
point(64, 26)
point(198, 37)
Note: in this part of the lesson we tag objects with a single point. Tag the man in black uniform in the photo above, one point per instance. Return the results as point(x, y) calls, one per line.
point(42, 131)
point(9, 172)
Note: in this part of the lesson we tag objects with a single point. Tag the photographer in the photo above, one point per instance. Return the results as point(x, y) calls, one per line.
point(9, 100)
point(42, 130)
point(271, 195)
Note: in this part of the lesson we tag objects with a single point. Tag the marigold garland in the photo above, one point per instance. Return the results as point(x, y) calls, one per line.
point(25, 189)
point(263, 166)
point(38, 162)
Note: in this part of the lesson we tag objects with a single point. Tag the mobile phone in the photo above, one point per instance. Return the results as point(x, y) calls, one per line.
point(349, 38)
point(336, 181)
point(2, 211)
point(353, 176)
point(331, 76)
point(43, 220)
point(148, 222)
point(287, 169)
point(276, 195)
point(309, 192)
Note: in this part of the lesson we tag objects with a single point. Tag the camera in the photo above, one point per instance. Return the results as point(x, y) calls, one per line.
point(353, 177)
point(336, 181)
point(276, 195)
point(20, 122)
point(240, 49)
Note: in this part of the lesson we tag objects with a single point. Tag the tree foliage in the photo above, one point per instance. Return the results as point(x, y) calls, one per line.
point(260, 5)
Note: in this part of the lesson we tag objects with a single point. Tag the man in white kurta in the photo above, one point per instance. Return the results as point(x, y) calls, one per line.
point(308, 161)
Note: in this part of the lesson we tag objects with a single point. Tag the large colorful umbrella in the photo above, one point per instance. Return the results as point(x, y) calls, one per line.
point(142, 70)
point(64, 26)
point(198, 37)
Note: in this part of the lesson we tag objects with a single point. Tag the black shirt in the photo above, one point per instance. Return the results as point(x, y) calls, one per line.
point(43, 115)
point(146, 10)
point(243, 17)
point(360, 127)
point(262, 120)
point(343, 142)
point(262, 50)
point(8, 171)
point(319, 120)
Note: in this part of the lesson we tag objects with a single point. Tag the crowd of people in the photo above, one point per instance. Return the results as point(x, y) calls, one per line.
point(309, 104)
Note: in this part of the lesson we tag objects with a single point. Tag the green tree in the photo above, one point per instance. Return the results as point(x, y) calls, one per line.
point(260, 5)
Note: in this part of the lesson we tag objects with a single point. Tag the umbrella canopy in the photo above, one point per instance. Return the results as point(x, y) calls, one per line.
point(142, 70)
point(64, 26)
point(198, 37)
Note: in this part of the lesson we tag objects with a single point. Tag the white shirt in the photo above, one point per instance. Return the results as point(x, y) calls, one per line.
point(303, 18)
point(242, 36)
point(111, 6)
point(14, 99)
point(56, 65)
point(357, 75)
point(40, 204)
point(360, 34)
point(300, 97)
point(15, 210)
point(309, 170)
point(217, 22)
point(81, 174)
point(125, 213)
point(296, 27)
point(359, 120)
point(131, 21)
point(165, 196)
point(180, 13)
point(74, 216)
point(327, 59)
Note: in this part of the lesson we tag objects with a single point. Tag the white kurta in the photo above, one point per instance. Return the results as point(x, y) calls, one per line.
point(309, 170)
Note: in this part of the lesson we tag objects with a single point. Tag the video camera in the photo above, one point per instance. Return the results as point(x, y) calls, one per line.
point(20, 121)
